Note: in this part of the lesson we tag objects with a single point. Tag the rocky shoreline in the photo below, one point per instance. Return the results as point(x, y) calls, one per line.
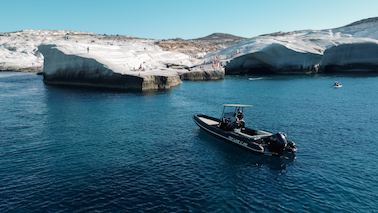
point(137, 64)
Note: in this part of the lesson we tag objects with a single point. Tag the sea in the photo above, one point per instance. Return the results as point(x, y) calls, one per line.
point(78, 150)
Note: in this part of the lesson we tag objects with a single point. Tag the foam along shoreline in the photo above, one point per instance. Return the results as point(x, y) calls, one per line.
point(69, 65)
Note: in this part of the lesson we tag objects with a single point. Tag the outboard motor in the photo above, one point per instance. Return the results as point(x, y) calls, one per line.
point(278, 143)
point(291, 147)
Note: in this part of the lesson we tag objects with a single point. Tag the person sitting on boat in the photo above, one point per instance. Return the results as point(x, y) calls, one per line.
point(231, 122)
point(226, 122)
point(240, 119)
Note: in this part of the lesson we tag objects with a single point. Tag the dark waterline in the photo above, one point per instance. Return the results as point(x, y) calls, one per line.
point(65, 149)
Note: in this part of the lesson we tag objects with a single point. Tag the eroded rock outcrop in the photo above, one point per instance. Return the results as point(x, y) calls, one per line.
point(61, 68)
point(274, 58)
point(350, 47)
point(205, 75)
point(355, 57)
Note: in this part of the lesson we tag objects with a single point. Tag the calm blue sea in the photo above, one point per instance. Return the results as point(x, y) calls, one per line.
point(83, 150)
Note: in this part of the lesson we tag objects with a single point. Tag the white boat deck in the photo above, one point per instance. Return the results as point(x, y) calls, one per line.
point(208, 121)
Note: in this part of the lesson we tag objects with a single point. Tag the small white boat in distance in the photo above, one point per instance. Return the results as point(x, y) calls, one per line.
point(337, 85)
point(255, 79)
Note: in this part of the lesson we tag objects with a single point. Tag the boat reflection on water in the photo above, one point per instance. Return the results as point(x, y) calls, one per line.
point(238, 155)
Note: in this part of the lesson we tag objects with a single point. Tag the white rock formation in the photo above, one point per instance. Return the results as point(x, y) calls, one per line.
point(117, 67)
point(130, 64)
point(19, 52)
point(298, 51)
point(353, 57)
point(275, 58)
point(114, 61)
point(366, 28)
point(90, 59)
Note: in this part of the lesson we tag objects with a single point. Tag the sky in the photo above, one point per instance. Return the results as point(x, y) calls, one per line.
point(182, 18)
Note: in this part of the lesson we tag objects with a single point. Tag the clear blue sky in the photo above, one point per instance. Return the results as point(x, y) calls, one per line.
point(182, 18)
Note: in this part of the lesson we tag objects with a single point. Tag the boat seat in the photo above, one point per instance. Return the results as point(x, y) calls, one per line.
point(209, 121)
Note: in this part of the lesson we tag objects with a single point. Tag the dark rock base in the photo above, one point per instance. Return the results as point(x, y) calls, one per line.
point(203, 75)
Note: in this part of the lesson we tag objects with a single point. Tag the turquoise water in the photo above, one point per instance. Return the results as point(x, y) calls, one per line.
point(76, 149)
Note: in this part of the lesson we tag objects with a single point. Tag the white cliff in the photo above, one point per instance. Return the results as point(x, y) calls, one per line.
point(353, 57)
point(125, 63)
point(121, 62)
point(294, 52)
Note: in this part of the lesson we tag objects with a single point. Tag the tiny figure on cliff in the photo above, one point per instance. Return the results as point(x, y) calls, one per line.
point(87, 49)
point(66, 37)
point(141, 67)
